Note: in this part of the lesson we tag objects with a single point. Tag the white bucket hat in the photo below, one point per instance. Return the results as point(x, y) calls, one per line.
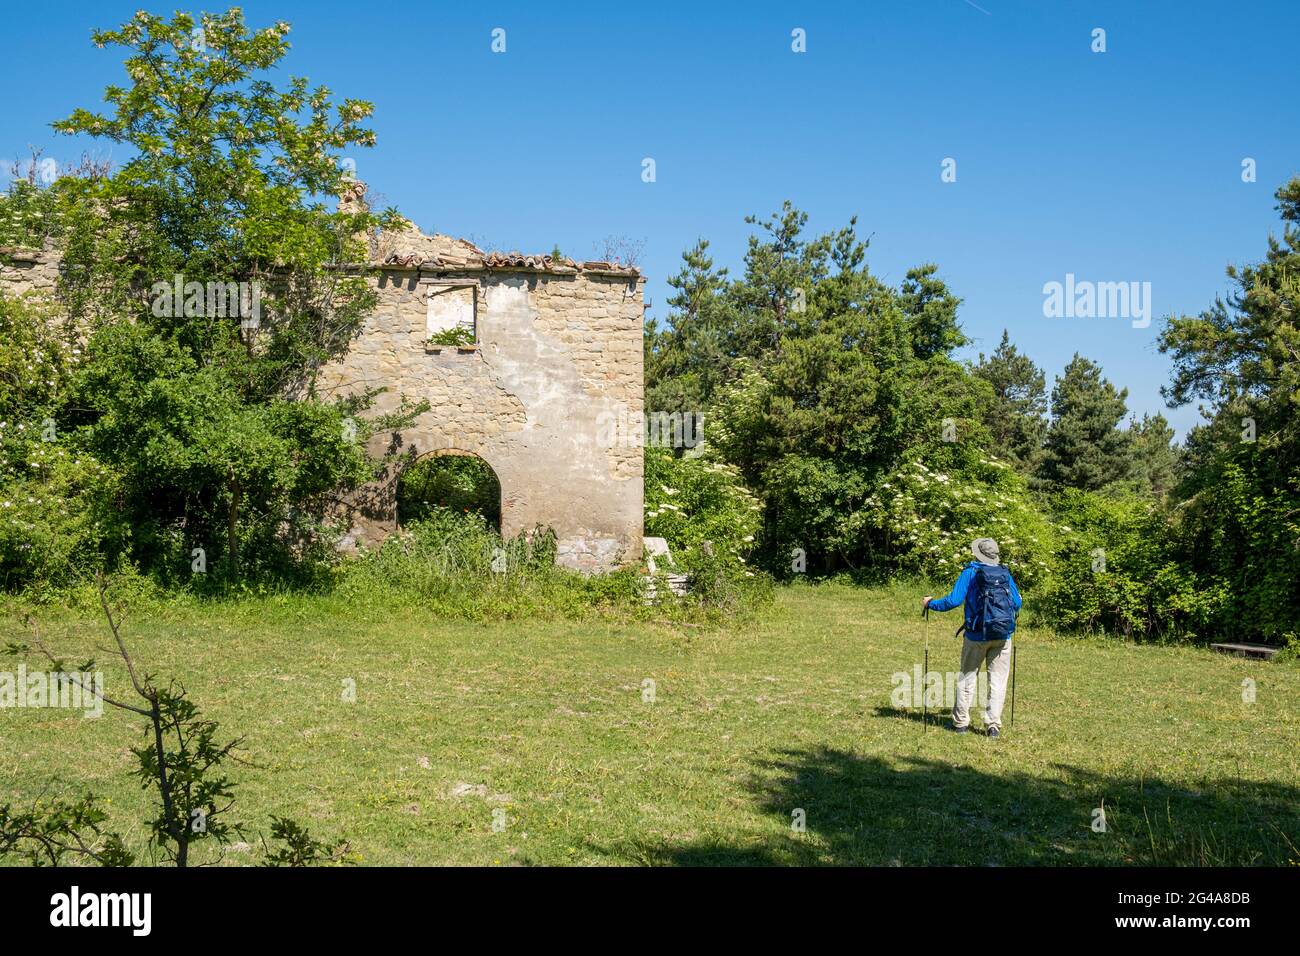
point(986, 551)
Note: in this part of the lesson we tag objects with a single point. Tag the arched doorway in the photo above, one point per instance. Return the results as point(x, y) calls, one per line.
point(456, 481)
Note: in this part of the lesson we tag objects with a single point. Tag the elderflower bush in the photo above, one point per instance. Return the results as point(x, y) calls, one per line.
point(927, 517)
point(57, 519)
point(28, 214)
point(689, 501)
point(57, 515)
point(35, 361)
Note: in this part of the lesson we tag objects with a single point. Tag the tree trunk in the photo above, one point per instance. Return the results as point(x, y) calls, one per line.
point(232, 527)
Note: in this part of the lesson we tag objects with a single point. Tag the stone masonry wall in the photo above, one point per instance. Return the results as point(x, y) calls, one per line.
point(557, 357)
point(28, 271)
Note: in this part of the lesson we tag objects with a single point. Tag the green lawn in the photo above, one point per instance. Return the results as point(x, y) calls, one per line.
point(546, 721)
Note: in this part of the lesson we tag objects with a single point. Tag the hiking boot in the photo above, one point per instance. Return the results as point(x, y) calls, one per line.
point(994, 733)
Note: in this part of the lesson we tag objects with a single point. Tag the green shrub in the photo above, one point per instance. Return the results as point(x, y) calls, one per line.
point(1117, 571)
point(1240, 534)
point(719, 588)
point(693, 500)
point(58, 515)
point(926, 518)
point(57, 522)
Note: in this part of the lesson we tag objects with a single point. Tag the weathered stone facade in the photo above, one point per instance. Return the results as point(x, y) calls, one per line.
point(555, 359)
point(25, 271)
point(553, 364)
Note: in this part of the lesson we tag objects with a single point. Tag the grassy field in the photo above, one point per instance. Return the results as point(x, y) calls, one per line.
point(547, 722)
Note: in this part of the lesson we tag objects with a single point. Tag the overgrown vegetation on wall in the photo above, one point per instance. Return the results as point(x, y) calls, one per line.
point(168, 417)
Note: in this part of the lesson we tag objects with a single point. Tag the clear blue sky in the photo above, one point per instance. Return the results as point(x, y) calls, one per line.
point(1120, 166)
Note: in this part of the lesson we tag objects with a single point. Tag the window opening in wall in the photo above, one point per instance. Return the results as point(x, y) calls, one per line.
point(451, 314)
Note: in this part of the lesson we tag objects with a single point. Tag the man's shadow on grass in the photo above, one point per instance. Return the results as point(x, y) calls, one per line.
point(912, 810)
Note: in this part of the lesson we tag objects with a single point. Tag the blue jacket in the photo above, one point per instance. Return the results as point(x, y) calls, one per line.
point(960, 591)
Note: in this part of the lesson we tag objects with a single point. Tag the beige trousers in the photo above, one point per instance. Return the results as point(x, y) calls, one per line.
point(996, 657)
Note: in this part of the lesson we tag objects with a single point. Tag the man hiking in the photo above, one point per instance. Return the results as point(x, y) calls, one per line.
point(992, 603)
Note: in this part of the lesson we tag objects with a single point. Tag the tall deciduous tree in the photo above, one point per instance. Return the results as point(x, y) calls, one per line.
point(205, 402)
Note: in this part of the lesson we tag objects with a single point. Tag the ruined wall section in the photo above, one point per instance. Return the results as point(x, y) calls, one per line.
point(557, 357)
point(24, 271)
point(550, 393)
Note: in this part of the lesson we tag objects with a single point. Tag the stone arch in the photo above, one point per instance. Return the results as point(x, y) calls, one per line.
point(495, 513)
point(373, 508)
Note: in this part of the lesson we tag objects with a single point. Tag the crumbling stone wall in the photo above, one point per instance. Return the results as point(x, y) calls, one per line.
point(556, 357)
point(555, 365)
point(25, 271)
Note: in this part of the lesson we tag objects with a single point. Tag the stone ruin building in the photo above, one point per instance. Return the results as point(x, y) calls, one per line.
point(551, 359)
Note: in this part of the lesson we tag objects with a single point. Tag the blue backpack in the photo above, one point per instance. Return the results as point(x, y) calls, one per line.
point(995, 612)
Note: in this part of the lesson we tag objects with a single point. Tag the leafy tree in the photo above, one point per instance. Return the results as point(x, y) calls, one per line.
point(226, 182)
point(1240, 497)
point(207, 407)
point(1016, 419)
point(829, 398)
point(1085, 448)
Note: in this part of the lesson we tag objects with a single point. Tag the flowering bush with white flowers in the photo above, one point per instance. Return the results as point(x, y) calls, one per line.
point(36, 358)
point(56, 501)
point(694, 500)
point(29, 212)
point(57, 520)
point(927, 518)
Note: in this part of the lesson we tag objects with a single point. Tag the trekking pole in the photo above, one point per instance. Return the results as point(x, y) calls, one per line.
point(1013, 685)
point(925, 671)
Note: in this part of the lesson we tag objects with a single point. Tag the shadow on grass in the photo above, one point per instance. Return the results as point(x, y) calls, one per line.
point(865, 810)
point(934, 719)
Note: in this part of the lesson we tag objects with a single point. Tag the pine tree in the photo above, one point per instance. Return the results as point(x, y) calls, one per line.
point(1085, 448)
point(932, 312)
point(1155, 457)
point(1017, 417)
point(685, 362)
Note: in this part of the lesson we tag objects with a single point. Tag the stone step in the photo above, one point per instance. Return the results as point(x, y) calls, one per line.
point(679, 584)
